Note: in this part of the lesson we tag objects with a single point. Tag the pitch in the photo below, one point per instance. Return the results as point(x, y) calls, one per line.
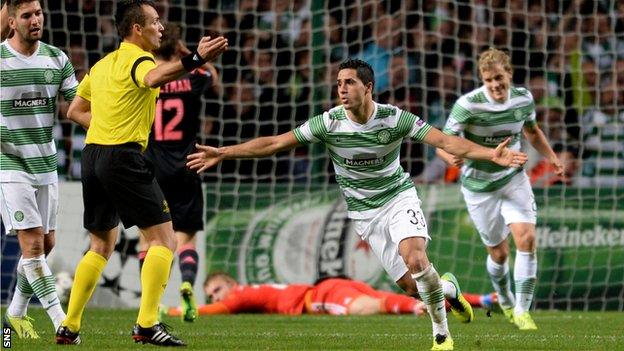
point(109, 329)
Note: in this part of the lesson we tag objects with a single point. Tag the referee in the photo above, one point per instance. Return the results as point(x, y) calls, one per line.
point(116, 102)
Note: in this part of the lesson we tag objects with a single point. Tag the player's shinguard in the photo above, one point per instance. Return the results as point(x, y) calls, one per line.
point(41, 279)
point(87, 275)
point(525, 275)
point(501, 281)
point(188, 262)
point(432, 294)
point(15, 316)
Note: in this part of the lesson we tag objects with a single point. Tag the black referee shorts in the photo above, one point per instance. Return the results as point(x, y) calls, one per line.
point(182, 187)
point(118, 182)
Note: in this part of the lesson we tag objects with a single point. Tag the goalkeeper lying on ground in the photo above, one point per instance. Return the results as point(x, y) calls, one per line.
point(336, 296)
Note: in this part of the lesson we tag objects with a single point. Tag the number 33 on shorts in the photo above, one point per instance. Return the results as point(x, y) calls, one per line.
point(416, 218)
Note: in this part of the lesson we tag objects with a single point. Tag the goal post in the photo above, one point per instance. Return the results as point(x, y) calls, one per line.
point(282, 219)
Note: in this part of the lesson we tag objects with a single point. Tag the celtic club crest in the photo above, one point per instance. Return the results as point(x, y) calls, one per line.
point(384, 136)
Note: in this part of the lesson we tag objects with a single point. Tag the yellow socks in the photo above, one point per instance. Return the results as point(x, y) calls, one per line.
point(87, 275)
point(154, 277)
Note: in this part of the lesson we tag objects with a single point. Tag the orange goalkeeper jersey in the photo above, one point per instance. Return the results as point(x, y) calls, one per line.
point(265, 298)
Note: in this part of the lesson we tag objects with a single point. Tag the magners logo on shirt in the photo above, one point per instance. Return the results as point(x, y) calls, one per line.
point(494, 140)
point(34, 102)
point(359, 161)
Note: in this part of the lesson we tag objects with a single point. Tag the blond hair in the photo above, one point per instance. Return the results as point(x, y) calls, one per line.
point(223, 275)
point(491, 57)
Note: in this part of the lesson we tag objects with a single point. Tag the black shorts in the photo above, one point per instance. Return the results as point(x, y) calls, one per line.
point(118, 182)
point(181, 186)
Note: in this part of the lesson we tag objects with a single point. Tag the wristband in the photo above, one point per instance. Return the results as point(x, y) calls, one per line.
point(192, 61)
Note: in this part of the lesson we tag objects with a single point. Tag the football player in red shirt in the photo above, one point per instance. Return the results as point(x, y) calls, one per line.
point(335, 296)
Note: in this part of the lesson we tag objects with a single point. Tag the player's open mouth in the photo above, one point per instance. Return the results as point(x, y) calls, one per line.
point(35, 30)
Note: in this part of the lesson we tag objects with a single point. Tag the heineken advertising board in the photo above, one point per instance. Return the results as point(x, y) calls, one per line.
point(266, 234)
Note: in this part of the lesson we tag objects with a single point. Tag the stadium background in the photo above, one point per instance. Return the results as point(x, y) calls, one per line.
point(281, 218)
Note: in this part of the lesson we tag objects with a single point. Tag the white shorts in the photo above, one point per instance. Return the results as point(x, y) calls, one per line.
point(399, 219)
point(492, 212)
point(26, 206)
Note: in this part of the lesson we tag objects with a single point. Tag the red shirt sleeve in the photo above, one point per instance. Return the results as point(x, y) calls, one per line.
point(213, 308)
point(266, 298)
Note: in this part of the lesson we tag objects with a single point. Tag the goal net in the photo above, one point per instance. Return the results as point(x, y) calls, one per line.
point(282, 218)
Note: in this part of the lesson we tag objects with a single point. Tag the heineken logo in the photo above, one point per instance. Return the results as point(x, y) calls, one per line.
point(384, 136)
point(19, 216)
point(48, 75)
point(564, 236)
point(330, 259)
point(302, 240)
point(274, 246)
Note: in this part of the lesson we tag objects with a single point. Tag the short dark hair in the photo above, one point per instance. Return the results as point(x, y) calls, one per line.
point(364, 71)
point(169, 42)
point(128, 13)
point(12, 5)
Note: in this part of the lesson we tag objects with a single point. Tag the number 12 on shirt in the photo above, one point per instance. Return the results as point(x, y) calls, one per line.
point(168, 132)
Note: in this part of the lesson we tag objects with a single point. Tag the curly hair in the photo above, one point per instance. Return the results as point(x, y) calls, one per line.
point(491, 57)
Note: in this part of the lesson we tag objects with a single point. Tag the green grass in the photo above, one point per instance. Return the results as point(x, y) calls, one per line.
point(107, 329)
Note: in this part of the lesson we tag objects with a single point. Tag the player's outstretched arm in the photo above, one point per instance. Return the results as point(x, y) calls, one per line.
point(208, 309)
point(207, 50)
point(466, 149)
point(80, 111)
point(537, 139)
point(450, 159)
point(208, 156)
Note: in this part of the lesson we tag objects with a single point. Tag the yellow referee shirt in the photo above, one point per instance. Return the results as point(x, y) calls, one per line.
point(122, 107)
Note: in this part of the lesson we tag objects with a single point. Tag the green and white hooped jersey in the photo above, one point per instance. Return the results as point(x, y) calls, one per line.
point(28, 91)
point(486, 122)
point(366, 157)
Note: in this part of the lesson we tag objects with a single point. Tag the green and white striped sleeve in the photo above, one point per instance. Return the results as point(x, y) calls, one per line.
point(312, 131)
point(69, 84)
point(456, 123)
point(531, 119)
point(416, 128)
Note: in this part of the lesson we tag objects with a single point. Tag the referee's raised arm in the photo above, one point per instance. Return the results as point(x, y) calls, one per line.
point(208, 49)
